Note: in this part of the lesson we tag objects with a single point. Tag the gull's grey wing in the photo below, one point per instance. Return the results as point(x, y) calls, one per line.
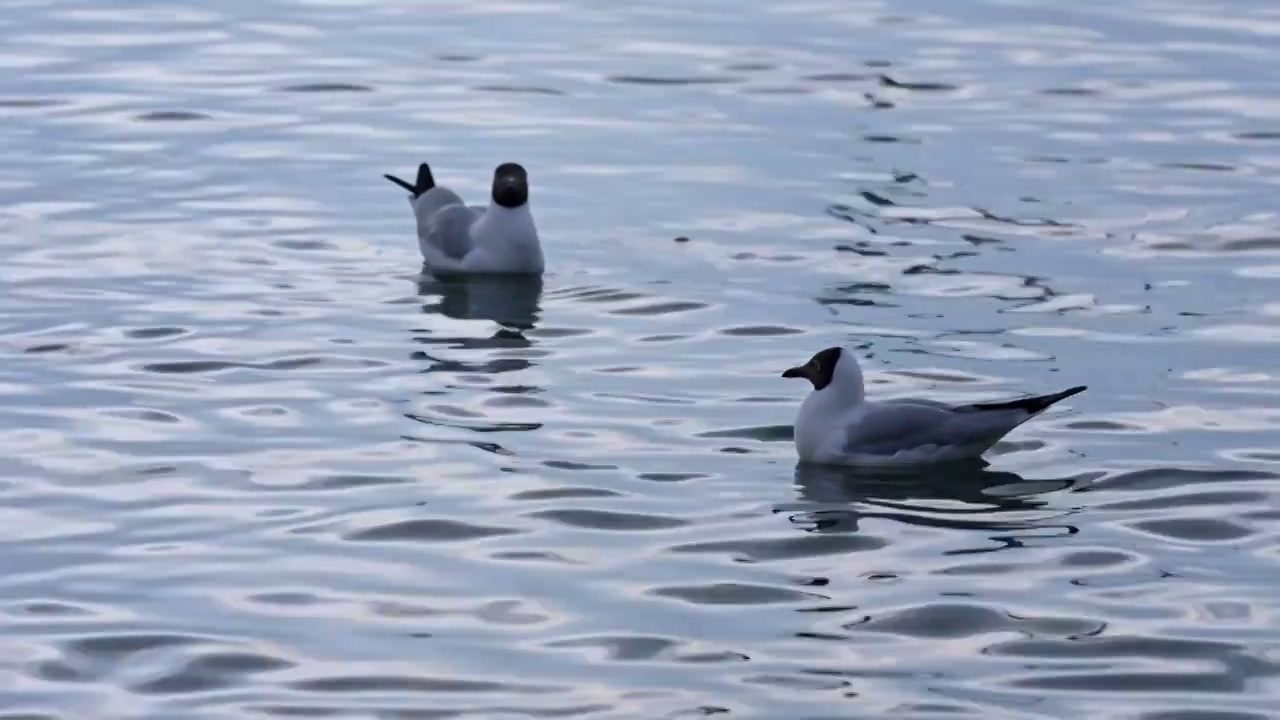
point(886, 428)
point(448, 231)
point(430, 202)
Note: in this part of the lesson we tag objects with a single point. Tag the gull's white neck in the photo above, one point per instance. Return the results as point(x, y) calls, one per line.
point(510, 232)
point(824, 409)
point(504, 223)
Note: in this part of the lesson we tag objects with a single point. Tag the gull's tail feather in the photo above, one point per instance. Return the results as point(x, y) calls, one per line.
point(423, 183)
point(1030, 405)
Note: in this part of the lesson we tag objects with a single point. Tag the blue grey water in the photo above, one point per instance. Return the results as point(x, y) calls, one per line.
point(252, 467)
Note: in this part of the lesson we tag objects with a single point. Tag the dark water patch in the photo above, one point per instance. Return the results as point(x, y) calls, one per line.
point(533, 556)
point(671, 80)
point(1072, 91)
point(518, 89)
point(633, 648)
point(1251, 244)
point(955, 620)
point(662, 308)
point(47, 348)
point(759, 331)
point(1201, 166)
point(670, 476)
point(155, 333)
point(888, 81)
point(798, 683)
point(172, 116)
point(727, 593)
point(839, 77)
point(428, 530)
point(1096, 558)
point(117, 647)
point(1118, 681)
point(348, 481)
point(1258, 135)
point(304, 245)
point(514, 401)
point(49, 609)
point(1256, 455)
point(1201, 498)
point(29, 103)
point(980, 240)
point(593, 294)
point(784, 548)
point(58, 671)
point(662, 338)
point(578, 466)
point(210, 672)
point(1194, 714)
point(1193, 529)
point(607, 520)
point(564, 493)
point(1165, 478)
point(1113, 647)
point(327, 87)
point(861, 249)
point(286, 598)
point(144, 415)
point(1115, 426)
point(890, 139)
point(492, 427)
point(312, 362)
point(775, 90)
point(411, 684)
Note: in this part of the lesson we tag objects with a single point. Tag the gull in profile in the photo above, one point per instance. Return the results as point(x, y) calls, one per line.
point(837, 425)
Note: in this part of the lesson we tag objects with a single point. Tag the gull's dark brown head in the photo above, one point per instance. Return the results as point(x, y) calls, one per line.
point(820, 369)
point(510, 185)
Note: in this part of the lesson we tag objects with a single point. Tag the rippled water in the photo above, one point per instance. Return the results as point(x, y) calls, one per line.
point(253, 466)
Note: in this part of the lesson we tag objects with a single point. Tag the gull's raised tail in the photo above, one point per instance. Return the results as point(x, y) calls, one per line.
point(423, 183)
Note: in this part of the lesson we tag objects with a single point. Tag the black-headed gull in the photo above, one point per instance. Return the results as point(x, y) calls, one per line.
point(837, 425)
point(454, 238)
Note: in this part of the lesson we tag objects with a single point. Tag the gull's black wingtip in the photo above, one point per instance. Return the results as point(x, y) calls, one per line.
point(425, 180)
point(1030, 405)
point(400, 182)
point(1072, 391)
point(422, 183)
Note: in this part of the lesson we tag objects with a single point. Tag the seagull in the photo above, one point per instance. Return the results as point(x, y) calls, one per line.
point(837, 425)
point(457, 239)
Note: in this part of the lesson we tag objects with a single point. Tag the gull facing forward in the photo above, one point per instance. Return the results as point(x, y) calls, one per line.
point(456, 239)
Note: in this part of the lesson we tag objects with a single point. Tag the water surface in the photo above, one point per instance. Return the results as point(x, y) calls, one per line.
point(255, 466)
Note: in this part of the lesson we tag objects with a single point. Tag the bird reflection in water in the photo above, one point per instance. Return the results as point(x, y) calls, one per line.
point(511, 302)
point(960, 496)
